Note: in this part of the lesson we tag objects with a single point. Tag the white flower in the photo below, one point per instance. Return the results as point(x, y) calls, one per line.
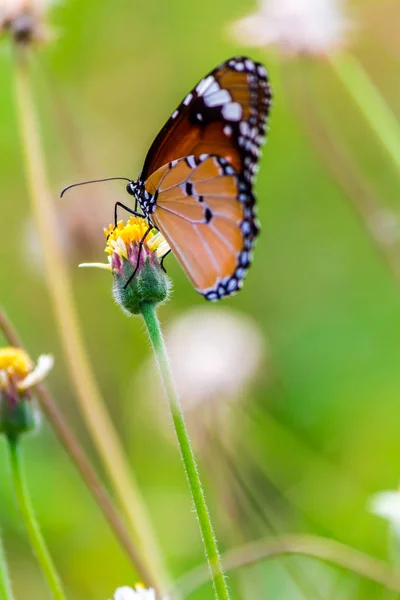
point(387, 505)
point(138, 593)
point(295, 26)
point(384, 226)
point(215, 353)
point(25, 19)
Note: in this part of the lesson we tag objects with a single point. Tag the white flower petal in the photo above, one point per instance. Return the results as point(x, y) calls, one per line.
point(139, 593)
point(3, 380)
point(215, 353)
point(44, 365)
point(296, 26)
point(105, 266)
point(386, 505)
point(125, 593)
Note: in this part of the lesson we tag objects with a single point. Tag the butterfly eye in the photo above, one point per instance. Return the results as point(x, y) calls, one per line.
point(130, 188)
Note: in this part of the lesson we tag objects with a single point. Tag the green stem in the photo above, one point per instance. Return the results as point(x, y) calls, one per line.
point(30, 523)
point(312, 546)
point(370, 101)
point(209, 540)
point(5, 585)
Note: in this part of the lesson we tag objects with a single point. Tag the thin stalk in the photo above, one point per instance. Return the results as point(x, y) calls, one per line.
point(82, 462)
point(31, 525)
point(324, 549)
point(189, 462)
point(91, 403)
point(5, 584)
point(357, 185)
point(370, 101)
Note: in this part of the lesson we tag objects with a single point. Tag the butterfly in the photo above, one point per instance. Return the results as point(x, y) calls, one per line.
point(196, 185)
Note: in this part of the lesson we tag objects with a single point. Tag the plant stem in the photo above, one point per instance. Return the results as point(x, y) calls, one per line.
point(91, 403)
point(5, 585)
point(370, 101)
point(324, 549)
point(81, 461)
point(31, 525)
point(209, 540)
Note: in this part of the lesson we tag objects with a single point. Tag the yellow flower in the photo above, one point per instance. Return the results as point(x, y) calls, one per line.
point(17, 369)
point(18, 375)
point(134, 253)
point(120, 237)
point(15, 362)
point(124, 239)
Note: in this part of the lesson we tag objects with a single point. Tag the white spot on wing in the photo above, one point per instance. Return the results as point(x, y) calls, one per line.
point(218, 98)
point(188, 99)
point(214, 87)
point(203, 85)
point(244, 127)
point(227, 130)
point(175, 114)
point(262, 71)
point(191, 162)
point(250, 66)
point(232, 111)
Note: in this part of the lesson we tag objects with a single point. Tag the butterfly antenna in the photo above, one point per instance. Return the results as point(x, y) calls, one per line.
point(68, 187)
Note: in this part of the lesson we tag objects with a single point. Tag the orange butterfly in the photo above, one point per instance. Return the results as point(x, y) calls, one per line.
point(196, 183)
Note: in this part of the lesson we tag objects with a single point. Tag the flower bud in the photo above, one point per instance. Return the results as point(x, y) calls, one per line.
point(18, 375)
point(135, 264)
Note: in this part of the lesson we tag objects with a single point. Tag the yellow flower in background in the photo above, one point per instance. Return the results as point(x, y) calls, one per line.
point(18, 375)
point(17, 369)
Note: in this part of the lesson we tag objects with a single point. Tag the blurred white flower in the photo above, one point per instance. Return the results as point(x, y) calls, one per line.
point(384, 226)
point(215, 353)
point(138, 593)
point(387, 505)
point(295, 26)
point(25, 19)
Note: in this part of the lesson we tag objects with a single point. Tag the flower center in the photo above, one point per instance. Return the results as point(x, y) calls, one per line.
point(129, 234)
point(14, 361)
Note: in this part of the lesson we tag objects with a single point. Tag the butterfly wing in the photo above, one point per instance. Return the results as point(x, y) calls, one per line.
point(205, 210)
point(225, 115)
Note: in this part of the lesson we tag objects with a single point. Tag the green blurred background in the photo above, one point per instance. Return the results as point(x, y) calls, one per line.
point(318, 432)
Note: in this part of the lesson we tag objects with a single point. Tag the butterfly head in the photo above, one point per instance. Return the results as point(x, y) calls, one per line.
point(131, 188)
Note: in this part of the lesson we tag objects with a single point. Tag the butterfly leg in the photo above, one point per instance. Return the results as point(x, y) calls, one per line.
point(129, 210)
point(162, 260)
point(138, 258)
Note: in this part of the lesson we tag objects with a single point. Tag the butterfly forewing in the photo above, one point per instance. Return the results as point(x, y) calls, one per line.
point(205, 211)
point(225, 115)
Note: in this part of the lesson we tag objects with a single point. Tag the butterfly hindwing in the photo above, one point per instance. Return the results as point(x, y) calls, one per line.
point(225, 115)
point(205, 210)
